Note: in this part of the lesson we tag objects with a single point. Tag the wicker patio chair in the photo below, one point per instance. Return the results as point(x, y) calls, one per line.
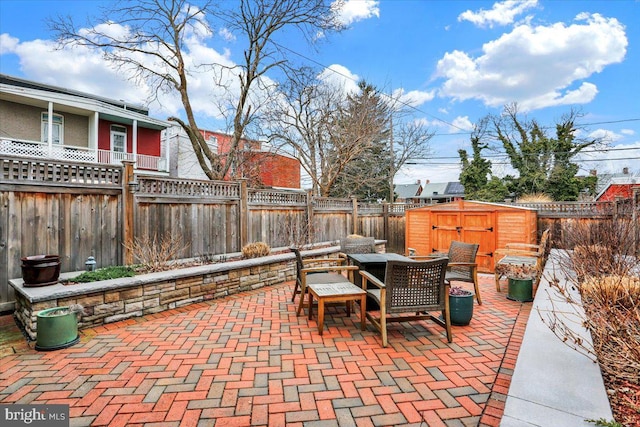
point(412, 290)
point(358, 245)
point(327, 270)
point(462, 265)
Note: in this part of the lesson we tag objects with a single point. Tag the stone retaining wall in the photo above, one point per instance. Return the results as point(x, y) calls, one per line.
point(113, 300)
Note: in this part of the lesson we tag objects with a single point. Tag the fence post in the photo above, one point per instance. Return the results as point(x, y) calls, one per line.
point(310, 219)
point(355, 227)
point(385, 221)
point(244, 213)
point(128, 184)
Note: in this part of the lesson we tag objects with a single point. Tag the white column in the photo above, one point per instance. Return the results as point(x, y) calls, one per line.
point(50, 127)
point(135, 144)
point(93, 135)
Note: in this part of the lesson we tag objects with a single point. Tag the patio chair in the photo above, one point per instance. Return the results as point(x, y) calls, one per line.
point(327, 270)
point(522, 256)
point(411, 291)
point(358, 245)
point(462, 265)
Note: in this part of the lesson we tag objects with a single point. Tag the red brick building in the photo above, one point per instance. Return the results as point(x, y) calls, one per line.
point(262, 168)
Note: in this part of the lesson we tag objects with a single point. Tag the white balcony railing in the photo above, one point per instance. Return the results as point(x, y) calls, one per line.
point(14, 147)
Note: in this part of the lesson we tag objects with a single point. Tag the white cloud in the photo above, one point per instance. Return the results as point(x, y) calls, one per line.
point(462, 124)
point(409, 174)
point(611, 161)
point(628, 132)
point(8, 44)
point(357, 10)
point(226, 34)
point(536, 66)
point(605, 135)
point(413, 98)
point(502, 13)
point(340, 76)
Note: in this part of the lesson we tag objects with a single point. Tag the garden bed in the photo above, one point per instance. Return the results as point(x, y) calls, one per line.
point(119, 299)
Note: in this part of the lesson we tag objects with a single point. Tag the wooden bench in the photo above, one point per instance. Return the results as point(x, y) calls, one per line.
point(336, 292)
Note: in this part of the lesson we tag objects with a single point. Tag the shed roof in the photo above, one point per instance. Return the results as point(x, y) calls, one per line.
point(472, 205)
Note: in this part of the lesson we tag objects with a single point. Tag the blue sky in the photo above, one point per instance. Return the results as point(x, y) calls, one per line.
point(453, 61)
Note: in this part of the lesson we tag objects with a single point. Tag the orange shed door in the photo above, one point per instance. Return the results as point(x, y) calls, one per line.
point(468, 227)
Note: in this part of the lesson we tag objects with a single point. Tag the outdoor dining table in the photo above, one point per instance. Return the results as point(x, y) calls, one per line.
point(375, 264)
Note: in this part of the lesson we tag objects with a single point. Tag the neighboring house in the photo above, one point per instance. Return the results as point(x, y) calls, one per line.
point(407, 192)
point(260, 165)
point(39, 120)
point(441, 192)
point(612, 185)
point(619, 187)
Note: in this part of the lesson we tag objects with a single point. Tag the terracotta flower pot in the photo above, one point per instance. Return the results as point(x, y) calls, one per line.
point(40, 270)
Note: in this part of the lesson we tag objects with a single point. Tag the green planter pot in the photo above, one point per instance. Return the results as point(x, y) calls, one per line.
point(461, 308)
point(56, 328)
point(520, 290)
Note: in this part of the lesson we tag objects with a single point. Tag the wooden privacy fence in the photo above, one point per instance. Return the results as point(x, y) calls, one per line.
point(76, 210)
point(79, 210)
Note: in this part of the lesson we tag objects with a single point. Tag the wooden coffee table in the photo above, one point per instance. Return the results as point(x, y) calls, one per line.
point(336, 292)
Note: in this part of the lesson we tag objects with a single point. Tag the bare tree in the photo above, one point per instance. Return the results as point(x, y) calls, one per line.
point(151, 43)
point(309, 118)
point(345, 142)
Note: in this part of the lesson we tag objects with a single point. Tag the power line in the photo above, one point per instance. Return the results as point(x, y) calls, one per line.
point(492, 156)
point(382, 93)
point(509, 163)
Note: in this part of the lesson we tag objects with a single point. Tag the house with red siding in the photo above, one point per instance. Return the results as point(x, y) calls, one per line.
point(619, 187)
point(257, 162)
point(55, 123)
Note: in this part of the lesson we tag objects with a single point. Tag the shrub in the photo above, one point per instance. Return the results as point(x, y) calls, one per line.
point(105, 273)
point(155, 254)
point(534, 198)
point(255, 250)
point(603, 268)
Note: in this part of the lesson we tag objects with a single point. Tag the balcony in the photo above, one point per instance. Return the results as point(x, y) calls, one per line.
point(16, 147)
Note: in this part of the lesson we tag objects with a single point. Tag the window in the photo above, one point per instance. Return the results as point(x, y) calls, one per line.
point(118, 138)
point(57, 127)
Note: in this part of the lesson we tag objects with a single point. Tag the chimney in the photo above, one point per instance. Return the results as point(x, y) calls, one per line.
point(625, 171)
point(593, 172)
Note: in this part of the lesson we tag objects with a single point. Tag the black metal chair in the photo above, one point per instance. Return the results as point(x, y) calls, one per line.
point(415, 287)
point(328, 270)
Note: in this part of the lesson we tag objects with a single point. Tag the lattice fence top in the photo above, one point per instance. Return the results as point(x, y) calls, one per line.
point(570, 208)
point(277, 197)
point(153, 186)
point(27, 171)
point(332, 204)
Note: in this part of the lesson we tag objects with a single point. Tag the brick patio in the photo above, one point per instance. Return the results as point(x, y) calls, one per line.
point(247, 360)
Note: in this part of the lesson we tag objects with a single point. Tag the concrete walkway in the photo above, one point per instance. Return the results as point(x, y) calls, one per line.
point(553, 385)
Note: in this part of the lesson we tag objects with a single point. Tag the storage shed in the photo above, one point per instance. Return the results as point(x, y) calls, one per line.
point(432, 228)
